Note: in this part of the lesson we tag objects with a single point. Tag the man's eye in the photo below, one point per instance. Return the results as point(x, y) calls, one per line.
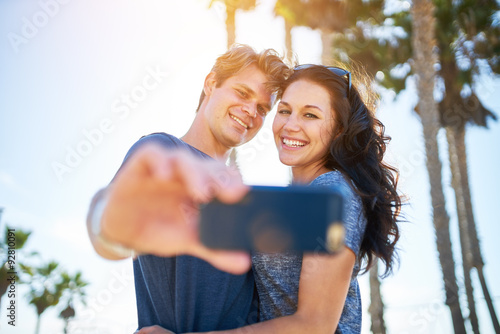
point(262, 111)
point(242, 93)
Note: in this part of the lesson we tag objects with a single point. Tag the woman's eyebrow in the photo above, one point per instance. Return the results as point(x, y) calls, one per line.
point(312, 106)
point(307, 106)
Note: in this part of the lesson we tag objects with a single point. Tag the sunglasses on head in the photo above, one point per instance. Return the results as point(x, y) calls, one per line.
point(335, 70)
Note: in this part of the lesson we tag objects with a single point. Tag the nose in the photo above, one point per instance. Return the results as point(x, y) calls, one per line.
point(291, 124)
point(250, 109)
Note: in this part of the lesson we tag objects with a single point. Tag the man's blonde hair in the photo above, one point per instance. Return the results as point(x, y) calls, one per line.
point(239, 57)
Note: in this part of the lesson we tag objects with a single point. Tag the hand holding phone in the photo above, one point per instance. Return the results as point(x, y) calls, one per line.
point(276, 219)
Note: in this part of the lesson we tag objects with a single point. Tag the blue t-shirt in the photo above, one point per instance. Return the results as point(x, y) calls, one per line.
point(277, 276)
point(187, 294)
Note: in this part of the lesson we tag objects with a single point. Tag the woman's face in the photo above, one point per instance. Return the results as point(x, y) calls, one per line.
point(303, 124)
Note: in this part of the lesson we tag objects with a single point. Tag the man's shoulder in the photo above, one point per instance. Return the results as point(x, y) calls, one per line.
point(165, 140)
point(162, 138)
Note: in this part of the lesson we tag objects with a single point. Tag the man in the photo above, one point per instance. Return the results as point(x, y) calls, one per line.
point(150, 207)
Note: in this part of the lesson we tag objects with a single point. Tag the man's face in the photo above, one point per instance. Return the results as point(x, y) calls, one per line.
point(235, 111)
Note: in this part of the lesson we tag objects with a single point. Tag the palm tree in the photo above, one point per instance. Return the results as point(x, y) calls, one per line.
point(281, 9)
point(231, 7)
point(376, 308)
point(475, 37)
point(21, 237)
point(423, 42)
point(67, 314)
point(325, 15)
point(73, 291)
point(465, 33)
point(46, 287)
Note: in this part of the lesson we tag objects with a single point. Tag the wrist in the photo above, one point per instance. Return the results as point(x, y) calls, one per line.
point(104, 243)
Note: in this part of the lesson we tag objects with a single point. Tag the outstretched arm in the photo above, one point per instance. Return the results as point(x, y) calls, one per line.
point(323, 287)
point(151, 206)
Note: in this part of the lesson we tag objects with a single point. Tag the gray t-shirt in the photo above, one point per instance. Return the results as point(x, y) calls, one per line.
point(277, 275)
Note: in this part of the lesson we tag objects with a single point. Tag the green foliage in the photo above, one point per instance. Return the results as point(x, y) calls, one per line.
point(468, 41)
point(49, 285)
point(379, 38)
point(327, 15)
point(74, 288)
point(46, 285)
point(73, 291)
point(382, 44)
point(21, 237)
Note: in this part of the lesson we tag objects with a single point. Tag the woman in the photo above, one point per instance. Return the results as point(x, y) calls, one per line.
point(329, 137)
point(325, 131)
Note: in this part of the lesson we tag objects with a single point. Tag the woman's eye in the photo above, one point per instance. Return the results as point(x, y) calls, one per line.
point(283, 111)
point(309, 115)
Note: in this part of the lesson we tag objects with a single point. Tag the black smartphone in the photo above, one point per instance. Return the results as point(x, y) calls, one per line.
point(276, 219)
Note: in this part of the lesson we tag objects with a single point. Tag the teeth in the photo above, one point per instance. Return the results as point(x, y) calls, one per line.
point(239, 121)
point(292, 143)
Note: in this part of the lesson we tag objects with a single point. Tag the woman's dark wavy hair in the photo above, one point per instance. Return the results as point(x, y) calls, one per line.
point(357, 149)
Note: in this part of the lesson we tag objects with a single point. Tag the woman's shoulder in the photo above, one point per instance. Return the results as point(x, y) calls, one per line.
point(340, 181)
point(333, 178)
point(337, 179)
point(354, 218)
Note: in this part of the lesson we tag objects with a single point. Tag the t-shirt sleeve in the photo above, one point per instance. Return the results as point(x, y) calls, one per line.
point(354, 218)
point(163, 139)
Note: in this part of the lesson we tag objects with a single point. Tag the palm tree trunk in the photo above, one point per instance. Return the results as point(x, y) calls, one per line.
point(326, 52)
point(37, 328)
point(4, 285)
point(423, 43)
point(487, 296)
point(456, 172)
point(477, 260)
point(376, 307)
point(230, 25)
point(288, 41)
point(231, 39)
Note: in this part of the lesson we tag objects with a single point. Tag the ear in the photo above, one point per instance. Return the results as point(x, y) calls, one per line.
point(210, 84)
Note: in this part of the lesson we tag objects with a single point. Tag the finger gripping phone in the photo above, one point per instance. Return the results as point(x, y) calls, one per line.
point(276, 219)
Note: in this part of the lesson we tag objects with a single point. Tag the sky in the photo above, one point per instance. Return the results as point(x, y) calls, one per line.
point(81, 81)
